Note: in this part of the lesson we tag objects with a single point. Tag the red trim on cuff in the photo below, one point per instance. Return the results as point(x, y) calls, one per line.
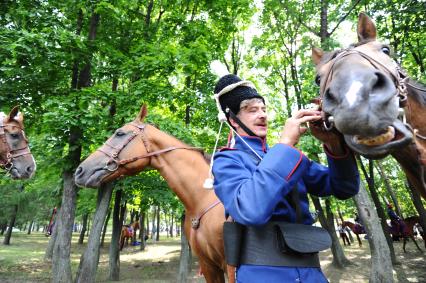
point(327, 151)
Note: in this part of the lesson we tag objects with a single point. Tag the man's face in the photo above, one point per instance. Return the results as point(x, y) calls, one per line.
point(254, 116)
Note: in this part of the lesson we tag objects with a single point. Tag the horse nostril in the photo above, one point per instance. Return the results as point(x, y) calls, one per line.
point(78, 171)
point(380, 81)
point(329, 95)
point(29, 169)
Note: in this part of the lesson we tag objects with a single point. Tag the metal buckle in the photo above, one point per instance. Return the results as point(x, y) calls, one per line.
point(195, 223)
point(114, 164)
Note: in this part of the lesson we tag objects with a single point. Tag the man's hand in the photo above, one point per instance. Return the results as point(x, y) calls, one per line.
point(332, 140)
point(293, 128)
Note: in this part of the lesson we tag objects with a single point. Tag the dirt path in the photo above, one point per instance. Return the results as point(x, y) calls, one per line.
point(23, 262)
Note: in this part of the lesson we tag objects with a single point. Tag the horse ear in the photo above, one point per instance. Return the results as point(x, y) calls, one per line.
point(15, 115)
point(142, 114)
point(317, 54)
point(366, 28)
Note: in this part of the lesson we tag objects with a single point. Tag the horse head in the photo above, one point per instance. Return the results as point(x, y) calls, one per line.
point(362, 90)
point(125, 153)
point(15, 155)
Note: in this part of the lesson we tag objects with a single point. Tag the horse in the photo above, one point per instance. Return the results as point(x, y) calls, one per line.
point(371, 101)
point(138, 145)
point(407, 231)
point(15, 154)
point(357, 228)
point(127, 232)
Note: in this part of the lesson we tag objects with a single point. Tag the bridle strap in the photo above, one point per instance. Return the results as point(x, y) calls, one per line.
point(399, 78)
point(195, 221)
point(113, 151)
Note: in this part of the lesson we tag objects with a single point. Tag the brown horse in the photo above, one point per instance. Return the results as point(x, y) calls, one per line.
point(368, 98)
point(136, 146)
point(15, 155)
point(127, 233)
point(407, 232)
point(357, 228)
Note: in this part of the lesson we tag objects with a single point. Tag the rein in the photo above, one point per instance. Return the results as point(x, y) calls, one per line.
point(7, 163)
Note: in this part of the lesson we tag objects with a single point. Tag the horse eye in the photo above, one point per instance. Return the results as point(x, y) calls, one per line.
point(120, 134)
point(14, 136)
point(386, 50)
point(318, 80)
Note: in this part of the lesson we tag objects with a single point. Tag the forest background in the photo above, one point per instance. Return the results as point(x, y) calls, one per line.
point(80, 69)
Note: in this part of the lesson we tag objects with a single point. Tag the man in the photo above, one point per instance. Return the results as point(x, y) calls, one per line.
point(397, 224)
point(259, 184)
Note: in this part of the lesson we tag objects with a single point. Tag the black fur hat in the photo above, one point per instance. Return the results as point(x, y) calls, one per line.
point(234, 97)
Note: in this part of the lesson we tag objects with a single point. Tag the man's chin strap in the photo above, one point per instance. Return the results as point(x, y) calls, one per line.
point(241, 124)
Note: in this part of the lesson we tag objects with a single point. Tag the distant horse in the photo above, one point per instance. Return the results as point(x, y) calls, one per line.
point(357, 228)
point(15, 155)
point(407, 232)
point(137, 145)
point(366, 96)
point(127, 232)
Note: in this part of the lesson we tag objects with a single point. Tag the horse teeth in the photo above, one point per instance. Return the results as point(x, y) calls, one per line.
point(377, 140)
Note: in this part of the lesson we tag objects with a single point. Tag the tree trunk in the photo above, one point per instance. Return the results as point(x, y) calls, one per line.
point(90, 259)
point(380, 211)
point(6, 240)
point(339, 258)
point(381, 264)
point(30, 227)
point(185, 257)
point(61, 268)
point(49, 249)
point(142, 232)
point(172, 224)
point(3, 227)
point(83, 229)
point(114, 251)
point(388, 187)
point(105, 226)
point(157, 237)
point(153, 229)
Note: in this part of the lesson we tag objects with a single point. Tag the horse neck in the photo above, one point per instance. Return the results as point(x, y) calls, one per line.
point(416, 109)
point(183, 169)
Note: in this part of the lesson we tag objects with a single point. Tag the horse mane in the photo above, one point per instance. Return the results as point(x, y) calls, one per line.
point(417, 91)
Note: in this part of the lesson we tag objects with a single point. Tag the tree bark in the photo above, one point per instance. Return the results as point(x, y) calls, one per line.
point(142, 232)
point(49, 249)
point(105, 227)
point(90, 259)
point(381, 264)
point(339, 258)
point(388, 187)
point(83, 229)
point(380, 211)
point(30, 227)
point(6, 240)
point(61, 268)
point(114, 251)
point(157, 237)
point(185, 257)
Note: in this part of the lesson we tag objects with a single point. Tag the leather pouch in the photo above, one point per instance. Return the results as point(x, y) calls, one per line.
point(232, 238)
point(301, 239)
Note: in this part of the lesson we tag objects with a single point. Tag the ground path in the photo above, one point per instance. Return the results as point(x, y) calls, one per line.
point(22, 262)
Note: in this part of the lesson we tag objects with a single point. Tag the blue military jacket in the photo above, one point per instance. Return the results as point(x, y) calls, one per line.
point(254, 193)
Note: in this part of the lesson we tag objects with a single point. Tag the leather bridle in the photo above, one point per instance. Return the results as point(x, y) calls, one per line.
point(7, 162)
point(113, 152)
point(399, 78)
